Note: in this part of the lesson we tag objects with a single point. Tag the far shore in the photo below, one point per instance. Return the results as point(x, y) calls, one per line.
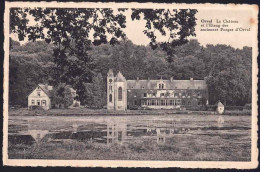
point(93, 112)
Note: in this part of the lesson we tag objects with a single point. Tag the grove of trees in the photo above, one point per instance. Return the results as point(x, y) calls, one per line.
point(228, 70)
point(81, 44)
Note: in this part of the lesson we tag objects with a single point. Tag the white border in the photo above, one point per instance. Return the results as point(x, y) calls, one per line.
point(119, 163)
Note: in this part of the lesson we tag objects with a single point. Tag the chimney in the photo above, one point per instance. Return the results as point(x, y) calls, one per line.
point(191, 79)
point(46, 86)
point(137, 78)
point(171, 79)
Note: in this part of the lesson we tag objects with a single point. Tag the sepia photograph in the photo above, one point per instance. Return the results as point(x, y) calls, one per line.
point(130, 85)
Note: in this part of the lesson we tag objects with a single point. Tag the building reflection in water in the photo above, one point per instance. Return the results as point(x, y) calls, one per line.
point(116, 132)
point(108, 132)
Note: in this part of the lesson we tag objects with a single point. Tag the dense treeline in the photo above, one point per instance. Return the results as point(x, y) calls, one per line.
point(227, 70)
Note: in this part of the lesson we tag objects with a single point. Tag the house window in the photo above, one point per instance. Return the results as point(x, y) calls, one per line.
point(153, 102)
point(145, 94)
point(162, 94)
point(162, 86)
point(188, 94)
point(154, 94)
point(175, 94)
point(189, 103)
point(178, 102)
point(162, 102)
point(38, 93)
point(183, 94)
point(120, 94)
point(135, 102)
point(110, 97)
point(43, 102)
point(38, 102)
point(183, 102)
point(33, 102)
point(171, 102)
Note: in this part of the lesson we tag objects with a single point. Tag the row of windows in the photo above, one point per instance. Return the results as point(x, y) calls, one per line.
point(175, 94)
point(39, 102)
point(165, 102)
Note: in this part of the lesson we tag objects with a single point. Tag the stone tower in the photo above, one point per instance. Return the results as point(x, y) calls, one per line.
point(120, 92)
point(110, 90)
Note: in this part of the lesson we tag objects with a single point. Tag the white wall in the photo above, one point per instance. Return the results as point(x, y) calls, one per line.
point(43, 96)
point(121, 105)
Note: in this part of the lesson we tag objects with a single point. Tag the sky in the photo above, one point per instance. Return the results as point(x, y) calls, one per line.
point(134, 29)
point(234, 39)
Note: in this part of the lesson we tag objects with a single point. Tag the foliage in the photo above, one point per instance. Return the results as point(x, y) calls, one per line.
point(73, 32)
point(62, 95)
point(78, 53)
point(95, 92)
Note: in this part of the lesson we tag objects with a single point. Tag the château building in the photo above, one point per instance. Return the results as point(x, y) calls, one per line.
point(125, 94)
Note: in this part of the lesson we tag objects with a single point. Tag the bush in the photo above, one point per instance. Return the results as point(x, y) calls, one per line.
point(36, 107)
point(76, 104)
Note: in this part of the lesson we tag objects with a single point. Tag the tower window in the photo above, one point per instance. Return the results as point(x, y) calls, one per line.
point(110, 97)
point(110, 87)
point(120, 94)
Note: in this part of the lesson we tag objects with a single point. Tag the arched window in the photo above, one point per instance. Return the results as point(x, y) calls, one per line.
point(110, 97)
point(162, 86)
point(120, 94)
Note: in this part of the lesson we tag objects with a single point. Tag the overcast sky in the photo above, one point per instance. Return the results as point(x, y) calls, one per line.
point(235, 39)
point(134, 29)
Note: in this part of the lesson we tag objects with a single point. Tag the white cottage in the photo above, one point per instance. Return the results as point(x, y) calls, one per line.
point(220, 108)
point(41, 96)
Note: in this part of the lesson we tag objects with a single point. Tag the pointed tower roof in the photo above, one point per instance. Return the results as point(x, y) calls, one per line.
point(120, 77)
point(110, 73)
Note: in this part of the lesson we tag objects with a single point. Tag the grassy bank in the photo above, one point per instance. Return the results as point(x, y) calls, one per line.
point(85, 111)
point(191, 149)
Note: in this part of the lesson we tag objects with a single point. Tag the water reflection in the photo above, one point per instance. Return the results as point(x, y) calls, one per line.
point(109, 131)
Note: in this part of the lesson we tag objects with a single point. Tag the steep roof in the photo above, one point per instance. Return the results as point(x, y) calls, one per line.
point(110, 73)
point(174, 84)
point(47, 89)
point(120, 77)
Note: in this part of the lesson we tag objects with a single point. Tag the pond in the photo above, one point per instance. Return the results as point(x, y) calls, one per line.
point(187, 137)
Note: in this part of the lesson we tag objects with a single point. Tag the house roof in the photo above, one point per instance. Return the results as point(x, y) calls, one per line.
point(47, 89)
point(176, 84)
point(220, 104)
point(120, 77)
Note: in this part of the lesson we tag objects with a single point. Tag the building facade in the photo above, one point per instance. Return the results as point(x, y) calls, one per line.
point(125, 94)
point(42, 95)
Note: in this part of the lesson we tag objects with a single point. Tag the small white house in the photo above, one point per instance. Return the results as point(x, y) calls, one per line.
point(40, 96)
point(220, 108)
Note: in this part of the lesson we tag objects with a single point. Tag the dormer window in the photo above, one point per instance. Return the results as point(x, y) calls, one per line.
point(161, 86)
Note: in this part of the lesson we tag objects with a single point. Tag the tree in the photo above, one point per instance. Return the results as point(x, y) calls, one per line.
point(62, 96)
point(69, 30)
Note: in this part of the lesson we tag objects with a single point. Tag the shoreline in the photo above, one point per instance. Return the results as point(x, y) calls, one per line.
point(103, 112)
